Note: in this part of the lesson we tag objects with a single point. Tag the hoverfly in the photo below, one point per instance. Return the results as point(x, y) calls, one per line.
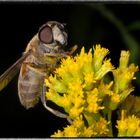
point(40, 58)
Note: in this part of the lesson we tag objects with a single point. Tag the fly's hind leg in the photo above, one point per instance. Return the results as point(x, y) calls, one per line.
point(53, 111)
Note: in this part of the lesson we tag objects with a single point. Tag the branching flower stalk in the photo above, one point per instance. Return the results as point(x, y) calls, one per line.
point(82, 87)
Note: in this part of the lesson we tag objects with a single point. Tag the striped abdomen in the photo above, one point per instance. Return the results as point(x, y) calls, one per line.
point(29, 85)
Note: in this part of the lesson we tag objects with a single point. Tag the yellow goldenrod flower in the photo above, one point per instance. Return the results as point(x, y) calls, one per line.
point(73, 130)
point(92, 101)
point(89, 132)
point(105, 89)
point(102, 127)
point(99, 55)
point(55, 84)
point(78, 122)
point(84, 58)
point(75, 87)
point(124, 59)
point(128, 126)
point(114, 102)
point(75, 111)
point(89, 79)
point(66, 102)
point(80, 86)
point(127, 72)
point(105, 68)
point(57, 134)
point(70, 131)
point(115, 98)
point(132, 68)
point(78, 129)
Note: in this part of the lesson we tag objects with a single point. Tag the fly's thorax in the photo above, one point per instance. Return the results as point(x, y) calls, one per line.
point(47, 54)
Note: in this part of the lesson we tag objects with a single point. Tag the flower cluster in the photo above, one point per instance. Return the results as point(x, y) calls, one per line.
point(82, 86)
point(78, 129)
point(128, 126)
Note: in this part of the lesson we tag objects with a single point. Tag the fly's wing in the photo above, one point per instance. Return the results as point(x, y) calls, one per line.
point(9, 74)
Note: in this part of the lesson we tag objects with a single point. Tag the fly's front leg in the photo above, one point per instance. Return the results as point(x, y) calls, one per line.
point(72, 50)
point(64, 54)
point(53, 111)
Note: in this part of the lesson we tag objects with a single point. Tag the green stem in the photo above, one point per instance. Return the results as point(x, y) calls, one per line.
point(128, 39)
point(110, 124)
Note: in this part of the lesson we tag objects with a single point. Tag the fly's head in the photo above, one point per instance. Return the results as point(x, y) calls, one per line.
point(53, 36)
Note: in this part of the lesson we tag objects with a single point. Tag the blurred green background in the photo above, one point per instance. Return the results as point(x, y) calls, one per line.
point(115, 26)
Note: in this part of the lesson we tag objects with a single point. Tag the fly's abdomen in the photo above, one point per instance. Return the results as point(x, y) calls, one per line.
point(29, 86)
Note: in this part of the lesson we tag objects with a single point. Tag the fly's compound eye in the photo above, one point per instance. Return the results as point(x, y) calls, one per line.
point(45, 34)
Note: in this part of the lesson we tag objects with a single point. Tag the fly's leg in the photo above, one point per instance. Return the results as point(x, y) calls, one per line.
point(72, 50)
point(53, 111)
point(64, 54)
point(43, 99)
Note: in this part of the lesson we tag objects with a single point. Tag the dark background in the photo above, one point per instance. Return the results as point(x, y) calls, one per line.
point(86, 26)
